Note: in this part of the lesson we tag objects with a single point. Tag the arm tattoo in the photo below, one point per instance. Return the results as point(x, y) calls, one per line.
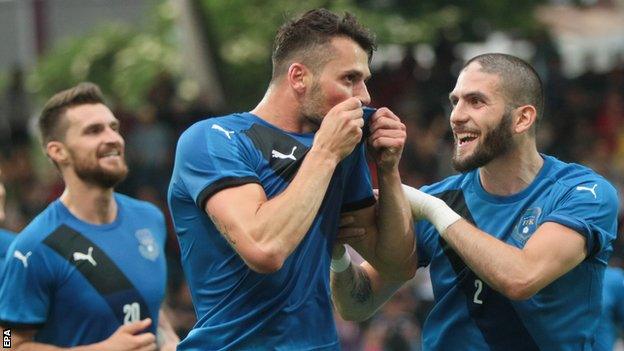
point(222, 229)
point(360, 286)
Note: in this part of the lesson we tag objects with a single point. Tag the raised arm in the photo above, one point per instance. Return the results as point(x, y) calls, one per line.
point(265, 232)
point(388, 245)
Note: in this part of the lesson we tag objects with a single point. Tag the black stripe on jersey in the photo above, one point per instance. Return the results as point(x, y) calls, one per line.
point(278, 149)
point(105, 277)
point(455, 200)
point(495, 316)
point(354, 206)
point(223, 183)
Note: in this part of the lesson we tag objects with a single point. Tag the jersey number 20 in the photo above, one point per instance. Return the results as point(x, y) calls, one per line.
point(132, 312)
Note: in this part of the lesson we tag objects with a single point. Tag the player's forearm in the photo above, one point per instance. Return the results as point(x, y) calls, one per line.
point(504, 267)
point(395, 245)
point(359, 291)
point(283, 221)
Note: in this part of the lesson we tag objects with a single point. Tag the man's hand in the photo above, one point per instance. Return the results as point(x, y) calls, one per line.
point(387, 138)
point(341, 129)
point(128, 337)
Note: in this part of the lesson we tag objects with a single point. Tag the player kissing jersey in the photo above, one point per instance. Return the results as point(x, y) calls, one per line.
point(469, 315)
point(238, 308)
point(77, 282)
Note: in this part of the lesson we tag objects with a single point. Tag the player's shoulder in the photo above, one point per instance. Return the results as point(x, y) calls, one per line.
point(226, 125)
point(452, 183)
point(6, 238)
point(43, 225)
point(137, 207)
point(573, 177)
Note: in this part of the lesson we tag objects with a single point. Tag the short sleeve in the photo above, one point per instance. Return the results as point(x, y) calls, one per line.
point(589, 207)
point(27, 284)
point(359, 186)
point(210, 158)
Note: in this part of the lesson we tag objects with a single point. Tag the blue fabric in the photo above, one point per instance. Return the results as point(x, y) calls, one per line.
point(237, 308)
point(45, 290)
point(6, 238)
point(469, 315)
point(612, 319)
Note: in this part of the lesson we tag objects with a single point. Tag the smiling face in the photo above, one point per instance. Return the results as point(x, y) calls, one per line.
point(95, 149)
point(342, 77)
point(481, 120)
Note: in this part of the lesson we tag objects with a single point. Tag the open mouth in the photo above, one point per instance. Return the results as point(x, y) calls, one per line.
point(111, 154)
point(464, 139)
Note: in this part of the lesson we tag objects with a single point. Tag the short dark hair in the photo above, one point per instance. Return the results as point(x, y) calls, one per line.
point(303, 37)
point(519, 81)
point(51, 122)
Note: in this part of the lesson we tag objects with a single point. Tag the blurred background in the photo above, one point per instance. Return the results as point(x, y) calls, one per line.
point(165, 64)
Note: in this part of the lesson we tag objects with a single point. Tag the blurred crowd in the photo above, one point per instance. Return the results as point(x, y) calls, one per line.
point(583, 123)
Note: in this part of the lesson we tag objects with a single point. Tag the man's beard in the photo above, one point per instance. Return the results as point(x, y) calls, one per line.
point(95, 174)
point(311, 108)
point(495, 143)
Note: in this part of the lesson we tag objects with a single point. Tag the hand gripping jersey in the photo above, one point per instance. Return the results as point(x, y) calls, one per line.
point(469, 315)
point(237, 308)
point(78, 282)
point(612, 319)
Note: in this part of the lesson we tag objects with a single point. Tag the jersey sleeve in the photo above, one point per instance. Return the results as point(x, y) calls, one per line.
point(27, 284)
point(209, 160)
point(359, 189)
point(589, 207)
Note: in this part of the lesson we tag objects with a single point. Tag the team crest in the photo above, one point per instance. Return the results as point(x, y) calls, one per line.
point(527, 225)
point(148, 247)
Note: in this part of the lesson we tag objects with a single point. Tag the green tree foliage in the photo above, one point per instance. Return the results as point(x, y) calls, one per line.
point(125, 61)
point(122, 59)
point(243, 30)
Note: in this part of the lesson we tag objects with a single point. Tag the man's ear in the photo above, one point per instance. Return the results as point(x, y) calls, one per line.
point(525, 118)
point(299, 77)
point(57, 152)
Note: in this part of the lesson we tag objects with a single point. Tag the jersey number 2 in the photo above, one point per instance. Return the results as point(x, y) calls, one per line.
point(479, 285)
point(132, 312)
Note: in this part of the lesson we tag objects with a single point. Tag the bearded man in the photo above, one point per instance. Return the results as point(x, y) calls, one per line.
point(89, 271)
point(518, 243)
point(256, 197)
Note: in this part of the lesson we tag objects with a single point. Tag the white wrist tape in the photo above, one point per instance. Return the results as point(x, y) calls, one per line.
point(341, 264)
point(425, 206)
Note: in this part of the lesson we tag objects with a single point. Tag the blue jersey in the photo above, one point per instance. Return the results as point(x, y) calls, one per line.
point(77, 282)
point(237, 308)
point(469, 315)
point(612, 310)
point(6, 238)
